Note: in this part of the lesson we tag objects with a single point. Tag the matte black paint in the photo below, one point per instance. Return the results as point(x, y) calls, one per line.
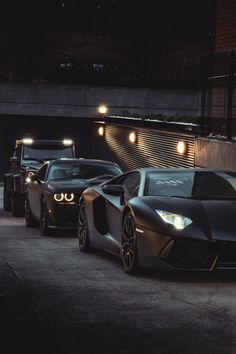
point(208, 243)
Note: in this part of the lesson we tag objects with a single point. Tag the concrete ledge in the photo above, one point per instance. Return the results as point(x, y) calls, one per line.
point(215, 153)
point(82, 101)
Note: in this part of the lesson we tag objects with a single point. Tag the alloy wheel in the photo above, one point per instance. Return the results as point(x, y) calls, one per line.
point(129, 246)
point(83, 237)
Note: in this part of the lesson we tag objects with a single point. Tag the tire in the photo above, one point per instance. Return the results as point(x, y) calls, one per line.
point(129, 252)
point(17, 204)
point(29, 218)
point(83, 233)
point(6, 199)
point(44, 219)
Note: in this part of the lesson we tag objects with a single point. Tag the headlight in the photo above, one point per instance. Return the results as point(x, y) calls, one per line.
point(27, 141)
point(178, 221)
point(28, 176)
point(59, 197)
point(69, 197)
point(67, 142)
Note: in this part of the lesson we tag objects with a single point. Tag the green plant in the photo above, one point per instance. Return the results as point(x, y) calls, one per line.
point(161, 117)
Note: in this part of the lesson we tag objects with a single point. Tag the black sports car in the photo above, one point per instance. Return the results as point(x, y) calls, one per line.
point(165, 218)
point(52, 194)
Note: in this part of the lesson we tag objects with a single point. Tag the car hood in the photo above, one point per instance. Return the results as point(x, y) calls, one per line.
point(215, 218)
point(69, 185)
point(33, 167)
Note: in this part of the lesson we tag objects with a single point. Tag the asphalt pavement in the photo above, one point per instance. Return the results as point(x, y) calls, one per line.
point(54, 299)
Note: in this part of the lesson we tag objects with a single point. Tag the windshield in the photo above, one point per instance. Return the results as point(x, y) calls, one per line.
point(82, 171)
point(192, 184)
point(40, 153)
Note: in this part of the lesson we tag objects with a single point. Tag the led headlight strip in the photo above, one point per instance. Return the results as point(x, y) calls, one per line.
point(178, 221)
point(60, 197)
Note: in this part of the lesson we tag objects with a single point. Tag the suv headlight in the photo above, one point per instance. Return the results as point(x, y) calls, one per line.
point(178, 221)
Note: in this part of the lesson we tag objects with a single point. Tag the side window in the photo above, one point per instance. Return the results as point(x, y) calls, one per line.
point(131, 185)
point(42, 172)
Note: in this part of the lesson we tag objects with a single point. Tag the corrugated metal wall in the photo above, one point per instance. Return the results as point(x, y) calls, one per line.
point(154, 148)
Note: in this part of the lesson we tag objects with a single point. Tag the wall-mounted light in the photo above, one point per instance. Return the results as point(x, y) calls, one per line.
point(101, 130)
point(182, 147)
point(102, 109)
point(132, 137)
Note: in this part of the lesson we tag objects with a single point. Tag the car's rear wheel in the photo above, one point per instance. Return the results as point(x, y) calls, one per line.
point(29, 218)
point(83, 234)
point(44, 219)
point(6, 199)
point(129, 245)
point(17, 204)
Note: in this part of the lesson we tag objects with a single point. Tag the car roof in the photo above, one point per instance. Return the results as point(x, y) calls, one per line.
point(82, 160)
point(200, 169)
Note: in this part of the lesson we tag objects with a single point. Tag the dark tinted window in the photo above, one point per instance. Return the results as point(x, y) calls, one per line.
point(39, 153)
point(42, 172)
point(80, 170)
point(131, 185)
point(191, 184)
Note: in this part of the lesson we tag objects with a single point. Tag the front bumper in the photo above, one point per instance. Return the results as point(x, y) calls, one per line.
point(164, 252)
point(64, 215)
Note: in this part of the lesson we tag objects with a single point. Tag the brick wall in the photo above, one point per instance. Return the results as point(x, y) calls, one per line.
point(61, 47)
point(38, 57)
point(13, 57)
point(225, 25)
point(178, 60)
point(218, 67)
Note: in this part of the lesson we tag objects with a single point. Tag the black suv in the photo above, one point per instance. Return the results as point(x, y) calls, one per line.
point(29, 155)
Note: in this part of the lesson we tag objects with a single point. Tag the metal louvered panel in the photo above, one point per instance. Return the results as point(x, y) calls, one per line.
point(154, 148)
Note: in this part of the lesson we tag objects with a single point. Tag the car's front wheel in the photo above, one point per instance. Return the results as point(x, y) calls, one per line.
point(44, 219)
point(129, 253)
point(83, 234)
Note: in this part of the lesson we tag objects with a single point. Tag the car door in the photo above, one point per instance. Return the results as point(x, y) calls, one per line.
point(35, 190)
point(114, 209)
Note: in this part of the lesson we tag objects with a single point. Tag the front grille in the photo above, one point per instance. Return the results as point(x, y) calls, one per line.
point(227, 255)
point(192, 255)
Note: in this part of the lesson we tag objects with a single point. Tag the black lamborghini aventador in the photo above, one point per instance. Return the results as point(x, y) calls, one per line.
point(53, 193)
point(165, 218)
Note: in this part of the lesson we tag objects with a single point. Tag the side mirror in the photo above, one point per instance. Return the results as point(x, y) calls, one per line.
point(114, 189)
point(35, 178)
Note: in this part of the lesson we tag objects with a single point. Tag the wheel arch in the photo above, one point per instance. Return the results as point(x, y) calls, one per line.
point(127, 209)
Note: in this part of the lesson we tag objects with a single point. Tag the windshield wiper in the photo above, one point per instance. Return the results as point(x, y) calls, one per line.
point(40, 160)
point(33, 159)
point(172, 196)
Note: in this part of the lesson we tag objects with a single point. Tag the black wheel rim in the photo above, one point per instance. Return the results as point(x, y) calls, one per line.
point(128, 242)
point(82, 227)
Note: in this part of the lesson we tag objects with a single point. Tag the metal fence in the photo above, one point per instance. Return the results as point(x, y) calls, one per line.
point(153, 148)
